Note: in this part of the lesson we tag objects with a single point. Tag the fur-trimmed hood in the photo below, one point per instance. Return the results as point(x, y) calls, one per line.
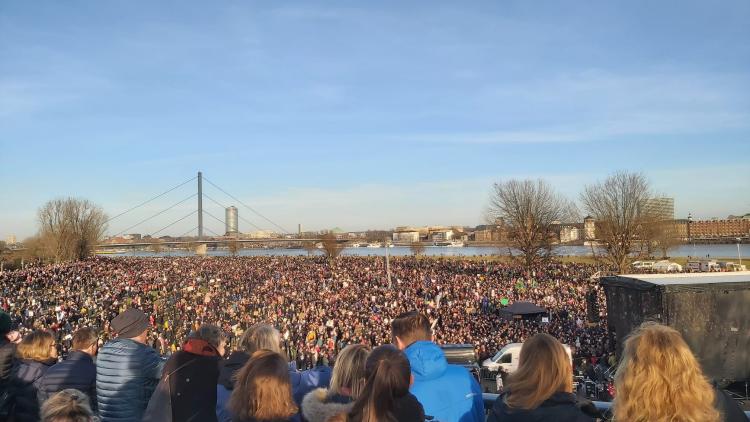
point(315, 408)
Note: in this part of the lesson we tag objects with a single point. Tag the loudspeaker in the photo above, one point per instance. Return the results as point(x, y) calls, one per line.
point(710, 310)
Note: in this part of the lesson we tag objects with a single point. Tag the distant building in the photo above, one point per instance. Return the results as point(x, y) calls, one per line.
point(589, 228)
point(662, 208)
point(261, 234)
point(405, 235)
point(712, 229)
point(569, 233)
point(489, 233)
point(10, 239)
point(441, 235)
point(231, 221)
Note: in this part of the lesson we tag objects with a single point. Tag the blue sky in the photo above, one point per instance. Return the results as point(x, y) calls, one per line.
point(367, 114)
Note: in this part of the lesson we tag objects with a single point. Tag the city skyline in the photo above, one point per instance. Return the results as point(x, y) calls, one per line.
point(368, 117)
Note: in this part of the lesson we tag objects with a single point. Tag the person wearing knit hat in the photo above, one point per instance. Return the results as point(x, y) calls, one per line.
point(127, 369)
point(132, 323)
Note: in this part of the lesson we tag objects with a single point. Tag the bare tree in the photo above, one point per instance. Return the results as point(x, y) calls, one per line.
point(70, 228)
point(331, 245)
point(624, 225)
point(665, 237)
point(529, 209)
point(156, 245)
point(309, 246)
point(233, 246)
point(417, 248)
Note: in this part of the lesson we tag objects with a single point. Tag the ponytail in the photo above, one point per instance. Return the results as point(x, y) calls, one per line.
point(388, 374)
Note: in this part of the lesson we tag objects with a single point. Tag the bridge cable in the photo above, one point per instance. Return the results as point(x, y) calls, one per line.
point(238, 215)
point(189, 231)
point(173, 223)
point(215, 234)
point(158, 213)
point(155, 197)
point(285, 231)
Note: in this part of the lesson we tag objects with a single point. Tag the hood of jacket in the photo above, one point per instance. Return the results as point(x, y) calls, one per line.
point(317, 408)
point(427, 360)
point(230, 367)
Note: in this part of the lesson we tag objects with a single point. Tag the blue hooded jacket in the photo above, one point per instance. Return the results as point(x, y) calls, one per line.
point(449, 393)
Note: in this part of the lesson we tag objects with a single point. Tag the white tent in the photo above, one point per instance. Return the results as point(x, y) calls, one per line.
point(667, 267)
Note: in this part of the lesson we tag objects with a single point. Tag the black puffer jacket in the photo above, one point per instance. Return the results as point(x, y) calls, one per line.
point(24, 385)
point(7, 358)
point(7, 353)
point(560, 407)
point(77, 371)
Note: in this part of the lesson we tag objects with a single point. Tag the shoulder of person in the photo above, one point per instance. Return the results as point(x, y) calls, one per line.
point(316, 407)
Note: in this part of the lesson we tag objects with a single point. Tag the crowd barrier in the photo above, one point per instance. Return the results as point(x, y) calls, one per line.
point(489, 400)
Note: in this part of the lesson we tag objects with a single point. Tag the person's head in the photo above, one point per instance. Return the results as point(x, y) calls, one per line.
point(544, 369)
point(67, 406)
point(132, 324)
point(349, 370)
point(263, 390)
point(214, 336)
point(261, 337)
point(86, 340)
point(659, 379)
point(39, 345)
point(410, 327)
point(388, 378)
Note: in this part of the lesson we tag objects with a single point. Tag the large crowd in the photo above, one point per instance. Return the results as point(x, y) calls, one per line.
point(318, 306)
point(253, 339)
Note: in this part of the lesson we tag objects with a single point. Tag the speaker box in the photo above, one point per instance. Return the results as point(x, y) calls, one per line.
point(711, 310)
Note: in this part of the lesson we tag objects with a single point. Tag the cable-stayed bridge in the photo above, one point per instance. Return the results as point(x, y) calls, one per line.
point(197, 215)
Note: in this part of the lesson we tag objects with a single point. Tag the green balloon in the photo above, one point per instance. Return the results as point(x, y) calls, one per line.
point(504, 301)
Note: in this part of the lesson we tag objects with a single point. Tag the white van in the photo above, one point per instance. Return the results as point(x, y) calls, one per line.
point(643, 265)
point(507, 358)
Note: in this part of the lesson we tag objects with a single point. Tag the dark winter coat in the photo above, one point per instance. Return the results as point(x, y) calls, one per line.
point(24, 386)
point(302, 383)
point(225, 383)
point(192, 374)
point(408, 409)
point(560, 407)
point(77, 371)
point(7, 355)
point(126, 374)
point(318, 407)
point(7, 358)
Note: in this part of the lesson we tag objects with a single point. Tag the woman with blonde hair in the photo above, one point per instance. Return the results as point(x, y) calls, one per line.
point(36, 353)
point(541, 389)
point(68, 405)
point(346, 386)
point(262, 392)
point(659, 379)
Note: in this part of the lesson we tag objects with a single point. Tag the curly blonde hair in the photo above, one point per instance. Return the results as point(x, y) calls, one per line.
point(659, 379)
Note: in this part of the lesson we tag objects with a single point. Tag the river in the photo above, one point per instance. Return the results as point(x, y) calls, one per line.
point(701, 251)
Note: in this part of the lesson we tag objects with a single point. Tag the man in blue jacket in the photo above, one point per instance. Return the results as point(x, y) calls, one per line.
point(449, 393)
point(77, 371)
point(127, 370)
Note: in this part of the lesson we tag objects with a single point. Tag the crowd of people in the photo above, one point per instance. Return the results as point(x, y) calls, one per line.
point(308, 339)
point(408, 380)
point(319, 306)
